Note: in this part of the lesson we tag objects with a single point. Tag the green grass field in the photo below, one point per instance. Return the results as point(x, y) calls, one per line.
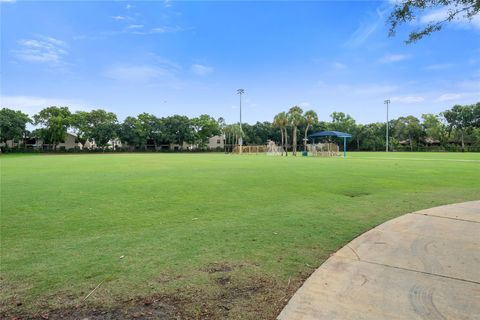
point(201, 235)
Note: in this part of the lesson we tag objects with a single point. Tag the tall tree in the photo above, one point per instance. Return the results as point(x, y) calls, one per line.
point(12, 124)
point(179, 129)
point(132, 133)
point(295, 118)
point(104, 127)
point(461, 118)
point(406, 11)
point(153, 128)
point(222, 124)
point(342, 122)
point(311, 119)
point(408, 128)
point(81, 126)
point(97, 126)
point(434, 128)
point(54, 122)
point(282, 122)
point(279, 124)
point(205, 127)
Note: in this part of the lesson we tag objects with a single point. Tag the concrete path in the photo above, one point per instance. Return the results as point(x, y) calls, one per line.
point(423, 265)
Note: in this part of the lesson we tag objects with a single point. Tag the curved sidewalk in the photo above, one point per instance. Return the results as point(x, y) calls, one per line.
point(422, 265)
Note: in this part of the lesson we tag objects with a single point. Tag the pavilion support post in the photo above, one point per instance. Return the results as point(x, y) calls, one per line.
point(344, 147)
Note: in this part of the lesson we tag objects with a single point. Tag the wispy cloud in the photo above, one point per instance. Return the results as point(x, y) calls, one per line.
point(120, 18)
point(408, 99)
point(372, 89)
point(366, 29)
point(339, 66)
point(8, 1)
point(42, 50)
point(33, 104)
point(201, 70)
point(136, 73)
point(166, 29)
point(448, 97)
point(390, 58)
point(135, 26)
point(439, 66)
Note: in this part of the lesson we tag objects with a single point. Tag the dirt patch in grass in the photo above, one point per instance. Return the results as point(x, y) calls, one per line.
point(355, 194)
point(234, 294)
point(220, 267)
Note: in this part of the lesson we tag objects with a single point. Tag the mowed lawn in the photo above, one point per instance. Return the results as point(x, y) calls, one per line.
point(197, 235)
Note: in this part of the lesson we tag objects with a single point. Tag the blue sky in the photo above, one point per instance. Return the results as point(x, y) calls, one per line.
point(168, 57)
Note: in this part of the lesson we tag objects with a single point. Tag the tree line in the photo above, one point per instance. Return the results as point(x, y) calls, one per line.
point(103, 128)
point(455, 129)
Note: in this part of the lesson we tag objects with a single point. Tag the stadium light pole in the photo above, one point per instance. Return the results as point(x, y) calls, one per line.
point(240, 141)
point(387, 102)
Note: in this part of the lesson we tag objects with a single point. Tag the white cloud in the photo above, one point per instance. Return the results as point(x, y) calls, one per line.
point(408, 99)
point(32, 104)
point(136, 73)
point(8, 1)
point(339, 65)
point(448, 97)
point(439, 66)
point(41, 50)
point(166, 29)
point(201, 70)
point(305, 104)
point(119, 18)
point(135, 26)
point(373, 89)
point(390, 58)
point(128, 6)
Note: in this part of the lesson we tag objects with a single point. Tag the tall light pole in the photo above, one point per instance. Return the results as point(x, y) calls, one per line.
point(387, 102)
point(240, 140)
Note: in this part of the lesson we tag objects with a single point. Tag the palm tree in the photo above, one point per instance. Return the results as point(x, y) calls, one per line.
point(311, 118)
point(237, 133)
point(281, 121)
point(228, 137)
point(295, 118)
point(277, 123)
point(223, 125)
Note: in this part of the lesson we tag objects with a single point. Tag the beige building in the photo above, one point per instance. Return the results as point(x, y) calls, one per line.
point(216, 142)
point(69, 143)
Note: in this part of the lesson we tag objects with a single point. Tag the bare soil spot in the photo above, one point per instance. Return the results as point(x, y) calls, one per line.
point(219, 267)
point(355, 194)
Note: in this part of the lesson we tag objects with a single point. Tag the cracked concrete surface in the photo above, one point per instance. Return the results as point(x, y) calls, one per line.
point(423, 265)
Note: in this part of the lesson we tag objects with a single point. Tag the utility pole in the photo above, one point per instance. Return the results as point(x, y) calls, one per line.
point(387, 102)
point(240, 140)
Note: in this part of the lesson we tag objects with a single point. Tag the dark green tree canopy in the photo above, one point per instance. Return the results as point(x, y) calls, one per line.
point(54, 122)
point(97, 125)
point(12, 124)
point(205, 127)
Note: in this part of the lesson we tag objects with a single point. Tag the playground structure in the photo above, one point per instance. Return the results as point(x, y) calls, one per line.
point(319, 150)
point(250, 149)
point(273, 149)
point(316, 150)
point(337, 134)
point(324, 150)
